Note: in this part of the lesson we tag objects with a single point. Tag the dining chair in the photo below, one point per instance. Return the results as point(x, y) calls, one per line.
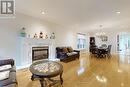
point(94, 51)
point(108, 51)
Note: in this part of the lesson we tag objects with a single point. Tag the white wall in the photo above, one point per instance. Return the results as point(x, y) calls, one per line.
point(65, 37)
point(10, 29)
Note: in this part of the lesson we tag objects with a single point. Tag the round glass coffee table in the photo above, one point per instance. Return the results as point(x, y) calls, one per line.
point(46, 70)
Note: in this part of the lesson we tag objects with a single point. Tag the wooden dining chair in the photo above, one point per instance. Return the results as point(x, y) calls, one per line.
point(94, 52)
point(108, 51)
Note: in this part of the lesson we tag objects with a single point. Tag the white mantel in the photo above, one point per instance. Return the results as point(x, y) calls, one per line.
point(26, 49)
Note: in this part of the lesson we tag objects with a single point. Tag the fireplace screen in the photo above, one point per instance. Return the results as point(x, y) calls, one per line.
point(39, 53)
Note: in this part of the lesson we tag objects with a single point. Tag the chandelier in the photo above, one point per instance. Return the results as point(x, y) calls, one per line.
point(101, 33)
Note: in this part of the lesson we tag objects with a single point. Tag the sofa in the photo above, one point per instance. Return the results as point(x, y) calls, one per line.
point(67, 54)
point(7, 67)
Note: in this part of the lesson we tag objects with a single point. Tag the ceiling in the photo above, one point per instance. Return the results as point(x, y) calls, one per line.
point(85, 15)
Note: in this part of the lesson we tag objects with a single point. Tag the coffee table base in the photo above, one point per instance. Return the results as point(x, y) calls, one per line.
point(44, 83)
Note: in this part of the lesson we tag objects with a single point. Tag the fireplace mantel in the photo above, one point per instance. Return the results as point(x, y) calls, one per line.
point(26, 49)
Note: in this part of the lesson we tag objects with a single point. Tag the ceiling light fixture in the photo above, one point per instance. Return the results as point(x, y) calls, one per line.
point(42, 12)
point(118, 12)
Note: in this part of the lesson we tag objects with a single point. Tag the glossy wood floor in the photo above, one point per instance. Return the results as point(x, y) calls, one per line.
point(88, 72)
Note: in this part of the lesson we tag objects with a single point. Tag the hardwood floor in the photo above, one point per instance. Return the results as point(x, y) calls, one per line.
point(88, 72)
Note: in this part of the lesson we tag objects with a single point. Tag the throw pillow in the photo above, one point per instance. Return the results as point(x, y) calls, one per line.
point(65, 50)
point(4, 75)
point(5, 67)
point(70, 49)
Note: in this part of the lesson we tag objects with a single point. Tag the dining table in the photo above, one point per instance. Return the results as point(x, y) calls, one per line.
point(102, 52)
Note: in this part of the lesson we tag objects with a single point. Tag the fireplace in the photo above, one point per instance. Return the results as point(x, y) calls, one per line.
point(40, 52)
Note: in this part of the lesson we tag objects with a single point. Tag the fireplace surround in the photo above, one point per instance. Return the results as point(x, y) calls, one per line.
point(27, 49)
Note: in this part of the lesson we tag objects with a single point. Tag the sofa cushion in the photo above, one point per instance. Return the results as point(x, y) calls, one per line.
point(4, 75)
point(65, 50)
point(70, 49)
point(59, 49)
point(72, 53)
point(5, 67)
point(7, 62)
point(10, 80)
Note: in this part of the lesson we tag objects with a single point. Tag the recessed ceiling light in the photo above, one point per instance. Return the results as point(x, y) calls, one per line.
point(118, 12)
point(42, 12)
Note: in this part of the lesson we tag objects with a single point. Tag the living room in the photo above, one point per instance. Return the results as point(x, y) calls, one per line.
point(52, 24)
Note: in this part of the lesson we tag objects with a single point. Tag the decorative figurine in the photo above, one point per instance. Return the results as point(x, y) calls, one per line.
point(35, 36)
point(41, 35)
point(46, 37)
point(52, 36)
point(23, 33)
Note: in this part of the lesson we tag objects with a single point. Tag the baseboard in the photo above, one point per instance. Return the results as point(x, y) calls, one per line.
point(22, 67)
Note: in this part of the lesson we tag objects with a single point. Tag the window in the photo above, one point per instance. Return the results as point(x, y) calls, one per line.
point(81, 41)
point(123, 42)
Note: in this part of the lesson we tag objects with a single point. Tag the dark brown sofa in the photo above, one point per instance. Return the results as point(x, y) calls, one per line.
point(67, 54)
point(11, 81)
